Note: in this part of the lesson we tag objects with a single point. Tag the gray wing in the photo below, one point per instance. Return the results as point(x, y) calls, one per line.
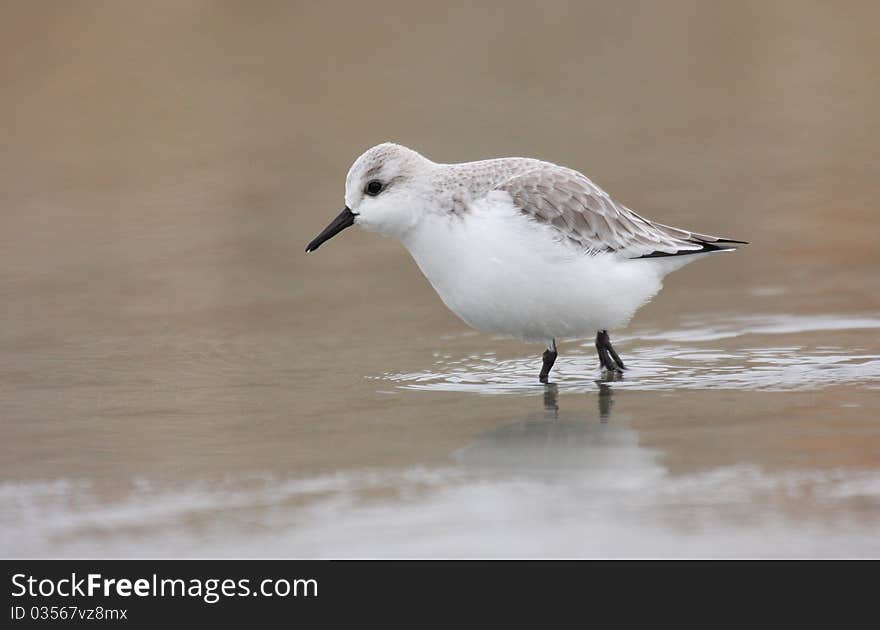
point(585, 214)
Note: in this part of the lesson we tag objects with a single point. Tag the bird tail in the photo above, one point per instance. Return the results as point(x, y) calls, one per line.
point(693, 243)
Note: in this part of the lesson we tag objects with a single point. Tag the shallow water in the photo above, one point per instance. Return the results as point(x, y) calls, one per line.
point(178, 379)
point(683, 359)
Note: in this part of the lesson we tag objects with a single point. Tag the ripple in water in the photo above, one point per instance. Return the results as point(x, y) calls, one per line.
point(679, 359)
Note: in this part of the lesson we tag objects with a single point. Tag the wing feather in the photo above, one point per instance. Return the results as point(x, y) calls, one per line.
point(584, 213)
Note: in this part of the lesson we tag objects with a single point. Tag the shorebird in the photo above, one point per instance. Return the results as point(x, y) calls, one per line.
point(519, 246)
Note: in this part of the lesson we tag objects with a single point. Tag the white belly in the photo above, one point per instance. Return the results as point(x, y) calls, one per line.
point(501, 272)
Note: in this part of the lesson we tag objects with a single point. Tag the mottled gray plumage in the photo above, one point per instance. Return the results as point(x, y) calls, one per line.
point(586, 215)
point(583, 214)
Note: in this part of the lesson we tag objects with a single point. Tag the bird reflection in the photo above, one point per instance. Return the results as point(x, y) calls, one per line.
point(604, 399)
point(560, 439)
point(551, 401)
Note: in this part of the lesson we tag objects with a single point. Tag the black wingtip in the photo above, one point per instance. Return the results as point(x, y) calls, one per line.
point(717, 246)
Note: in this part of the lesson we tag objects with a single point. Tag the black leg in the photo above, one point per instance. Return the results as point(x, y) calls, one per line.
point(605, 361)
point(614, 354)
point(608, 357)
point(549, 357)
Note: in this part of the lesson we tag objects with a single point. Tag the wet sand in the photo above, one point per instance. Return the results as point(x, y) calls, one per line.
point(177, 378)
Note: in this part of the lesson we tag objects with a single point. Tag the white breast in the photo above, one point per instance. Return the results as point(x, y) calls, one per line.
point(502, 272)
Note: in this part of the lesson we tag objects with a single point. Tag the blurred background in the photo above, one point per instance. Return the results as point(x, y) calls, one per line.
point(178, 378)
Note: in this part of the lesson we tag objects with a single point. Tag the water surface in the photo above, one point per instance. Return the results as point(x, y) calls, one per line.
point(178, 379)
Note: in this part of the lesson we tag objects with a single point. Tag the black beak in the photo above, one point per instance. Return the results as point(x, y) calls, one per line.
point(344, 220)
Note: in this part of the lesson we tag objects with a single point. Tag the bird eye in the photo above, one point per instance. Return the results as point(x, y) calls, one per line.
point(374, 188)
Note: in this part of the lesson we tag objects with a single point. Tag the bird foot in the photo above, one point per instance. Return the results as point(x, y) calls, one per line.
point(608, 358)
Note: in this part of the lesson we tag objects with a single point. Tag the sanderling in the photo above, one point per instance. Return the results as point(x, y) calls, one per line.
point(518, 246)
